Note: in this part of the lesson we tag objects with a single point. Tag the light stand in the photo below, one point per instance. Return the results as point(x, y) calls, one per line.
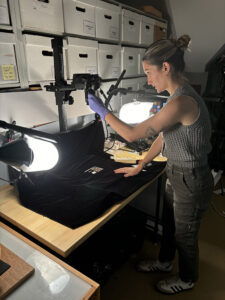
point(28, 131)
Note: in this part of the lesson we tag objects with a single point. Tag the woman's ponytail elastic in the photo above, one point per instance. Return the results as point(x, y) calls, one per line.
point(183, 41)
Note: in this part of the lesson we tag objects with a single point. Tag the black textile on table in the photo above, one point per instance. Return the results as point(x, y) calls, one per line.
point(71, 195)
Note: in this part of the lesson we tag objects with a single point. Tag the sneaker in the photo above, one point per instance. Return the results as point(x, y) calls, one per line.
point(174, 285)
point(154, 266)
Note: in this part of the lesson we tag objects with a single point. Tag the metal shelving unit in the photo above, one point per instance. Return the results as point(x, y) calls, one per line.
point(6, 28)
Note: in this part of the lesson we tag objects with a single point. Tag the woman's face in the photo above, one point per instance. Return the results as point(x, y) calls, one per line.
point(155, 76)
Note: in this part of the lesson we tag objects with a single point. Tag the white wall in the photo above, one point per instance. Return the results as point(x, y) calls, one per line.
point(204, 21)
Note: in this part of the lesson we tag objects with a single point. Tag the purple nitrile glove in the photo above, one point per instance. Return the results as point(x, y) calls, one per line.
point(97, 106)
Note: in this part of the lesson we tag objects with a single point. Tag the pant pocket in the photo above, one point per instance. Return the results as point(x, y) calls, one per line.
point(186, 234)
point(198, 181)
point(189, 182)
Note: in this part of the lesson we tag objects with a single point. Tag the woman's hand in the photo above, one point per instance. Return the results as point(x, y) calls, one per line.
point(97, 106)
point(129, 171)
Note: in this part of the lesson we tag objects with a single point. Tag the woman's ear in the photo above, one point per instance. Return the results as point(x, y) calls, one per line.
point(166, 67)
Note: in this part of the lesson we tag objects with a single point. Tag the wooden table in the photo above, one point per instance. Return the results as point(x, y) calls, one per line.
point(61, 239)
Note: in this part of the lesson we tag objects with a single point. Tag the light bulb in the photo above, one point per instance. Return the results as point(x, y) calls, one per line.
point(45, 155)
point(135, 112)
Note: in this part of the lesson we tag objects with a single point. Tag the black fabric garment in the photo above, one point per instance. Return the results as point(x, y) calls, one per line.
point(73, 145)
point(84, 184)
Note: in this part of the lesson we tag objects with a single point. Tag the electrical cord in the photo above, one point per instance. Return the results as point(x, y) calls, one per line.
point(111, 146)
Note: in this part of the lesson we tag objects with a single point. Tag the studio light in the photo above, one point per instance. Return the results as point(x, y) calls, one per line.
point(45, 155)
point(135, 112)
point(33, 151)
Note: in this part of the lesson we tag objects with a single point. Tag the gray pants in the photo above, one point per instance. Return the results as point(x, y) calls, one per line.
point(187, 196)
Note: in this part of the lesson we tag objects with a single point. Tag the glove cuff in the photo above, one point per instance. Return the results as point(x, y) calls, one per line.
point(103, 113)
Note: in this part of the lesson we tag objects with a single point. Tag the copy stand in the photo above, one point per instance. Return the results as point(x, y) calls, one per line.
point(87, 82)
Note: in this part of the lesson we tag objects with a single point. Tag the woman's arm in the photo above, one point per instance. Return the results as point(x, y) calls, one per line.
point(174, 112)
point(168, 116)
point(153, 151)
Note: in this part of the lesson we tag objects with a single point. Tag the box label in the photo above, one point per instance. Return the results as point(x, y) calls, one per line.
point(8, 72)
point(91, 69)
point(89, 27)
point(131, 28)
point(131, 62)
point(44, 7)
point(114, 32)
point(115, 71)
point(148, 29)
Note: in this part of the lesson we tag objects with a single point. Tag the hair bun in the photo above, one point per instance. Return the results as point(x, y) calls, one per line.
point(183, 42)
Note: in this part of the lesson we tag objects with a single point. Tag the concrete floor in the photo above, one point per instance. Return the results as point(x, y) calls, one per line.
point(126, 283)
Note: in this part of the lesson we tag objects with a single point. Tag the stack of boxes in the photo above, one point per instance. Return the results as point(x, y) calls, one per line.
point(100, 37)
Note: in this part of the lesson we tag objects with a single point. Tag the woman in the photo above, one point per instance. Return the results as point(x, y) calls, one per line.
point(184, 132)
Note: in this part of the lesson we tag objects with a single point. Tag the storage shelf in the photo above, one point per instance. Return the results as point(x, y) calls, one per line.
point(103, 41)
point(136, 10)
point(18, 30)
point(6, 27)
point(9, 85)
point(42, 33)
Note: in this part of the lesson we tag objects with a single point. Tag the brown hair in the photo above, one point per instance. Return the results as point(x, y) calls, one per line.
point(168, 50)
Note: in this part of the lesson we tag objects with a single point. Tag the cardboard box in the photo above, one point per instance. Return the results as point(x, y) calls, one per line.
point(140, 56)
point(130, 27)
point(109, 61)
point(79, 17)
point(8, 66)
point(146, 30)
point(151, 10)
point(107, 21)
point(160, 31)
point(129, 61)
point(43, 16)
point(128, 84)
point(142, 83)
point(39, 58)
point(81, 56)
point(4, 13)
